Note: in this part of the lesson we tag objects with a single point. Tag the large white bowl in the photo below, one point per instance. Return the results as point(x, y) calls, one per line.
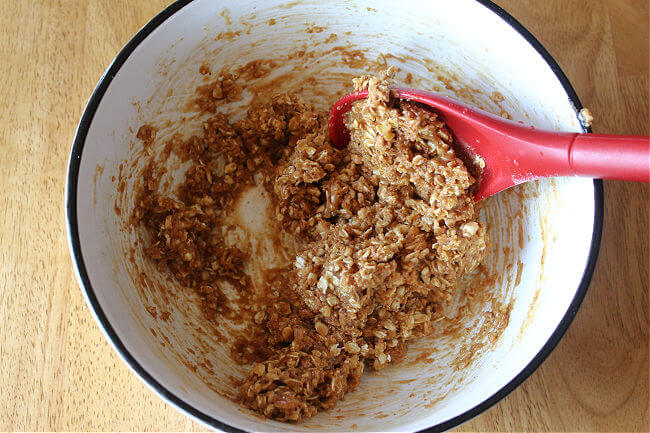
point(545, 236)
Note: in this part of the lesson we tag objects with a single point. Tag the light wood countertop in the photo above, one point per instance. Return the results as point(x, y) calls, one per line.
point(57, 372)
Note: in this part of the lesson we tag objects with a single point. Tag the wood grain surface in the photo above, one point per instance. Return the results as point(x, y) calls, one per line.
point(57, 372)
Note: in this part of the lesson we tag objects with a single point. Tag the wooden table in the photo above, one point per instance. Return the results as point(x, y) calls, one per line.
point(57, 372)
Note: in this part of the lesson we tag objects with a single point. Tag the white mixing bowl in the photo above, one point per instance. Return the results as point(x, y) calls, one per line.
point(545, 235)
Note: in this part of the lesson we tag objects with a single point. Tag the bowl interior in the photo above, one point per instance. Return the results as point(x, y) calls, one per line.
point(540, 233)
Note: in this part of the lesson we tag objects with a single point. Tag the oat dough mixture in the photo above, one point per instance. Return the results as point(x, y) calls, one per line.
point(385, 229)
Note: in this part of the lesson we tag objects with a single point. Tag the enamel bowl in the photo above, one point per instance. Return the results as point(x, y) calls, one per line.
point(505, 320)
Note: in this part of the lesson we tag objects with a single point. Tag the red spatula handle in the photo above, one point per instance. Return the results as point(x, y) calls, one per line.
point(619, 157)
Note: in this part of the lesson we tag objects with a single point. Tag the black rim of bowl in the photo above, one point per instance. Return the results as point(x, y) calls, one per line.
point(75, 243)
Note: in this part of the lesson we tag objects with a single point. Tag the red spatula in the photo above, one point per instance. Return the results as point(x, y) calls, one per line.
point(514, 153)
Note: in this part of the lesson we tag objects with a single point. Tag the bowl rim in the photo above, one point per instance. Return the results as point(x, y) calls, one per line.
point(110, 334)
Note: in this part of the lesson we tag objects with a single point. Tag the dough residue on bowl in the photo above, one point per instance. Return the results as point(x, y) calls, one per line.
point(380, 233)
